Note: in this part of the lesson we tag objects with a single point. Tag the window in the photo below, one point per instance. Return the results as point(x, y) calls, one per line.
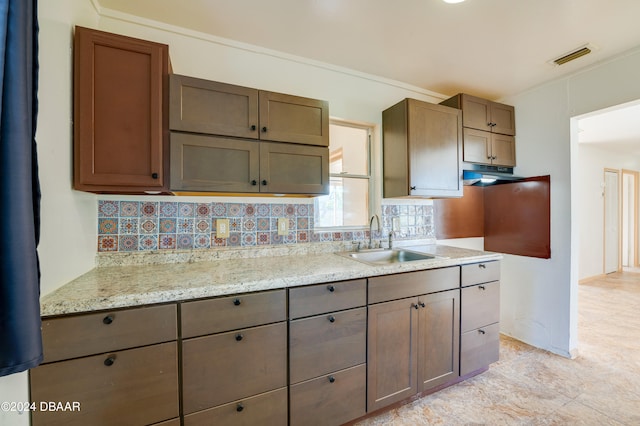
point(348, 203)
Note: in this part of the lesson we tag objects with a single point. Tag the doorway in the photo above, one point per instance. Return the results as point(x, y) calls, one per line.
point(611, 221)
point(629, 219)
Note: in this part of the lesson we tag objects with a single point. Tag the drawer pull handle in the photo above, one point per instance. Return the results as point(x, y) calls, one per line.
point(237, 302)
point(332, 318)
point(253, 127)
point(264, 129)
point(422, 305)
point(481, 331)
point(107, 320)
point(414, 306)
point(332, 379)
point(481, 287)
point(331, 288)
point(482, 266)
point(239, 337)
point(109, 361)
point(239, 407)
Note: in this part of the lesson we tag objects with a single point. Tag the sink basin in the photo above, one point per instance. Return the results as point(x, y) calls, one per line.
point(386, 256)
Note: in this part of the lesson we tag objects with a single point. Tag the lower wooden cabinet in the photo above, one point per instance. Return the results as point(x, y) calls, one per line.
point(330, 400)
point(479, 348)
point(225, 367)
point(134, 386)
point(265, 409)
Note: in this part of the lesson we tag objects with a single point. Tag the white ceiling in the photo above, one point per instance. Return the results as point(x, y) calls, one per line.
point(617, 129)
point(488, 48)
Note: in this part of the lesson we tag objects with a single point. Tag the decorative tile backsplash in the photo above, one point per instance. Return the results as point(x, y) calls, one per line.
point(152, 225)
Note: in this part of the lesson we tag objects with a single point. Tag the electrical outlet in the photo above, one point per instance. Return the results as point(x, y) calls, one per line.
point(283, 226)
point(222, 228)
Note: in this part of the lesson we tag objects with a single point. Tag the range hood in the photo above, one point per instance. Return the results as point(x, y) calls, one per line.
point(483, 175)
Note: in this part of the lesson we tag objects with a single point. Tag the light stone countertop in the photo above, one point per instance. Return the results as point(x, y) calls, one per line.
point(110, 287)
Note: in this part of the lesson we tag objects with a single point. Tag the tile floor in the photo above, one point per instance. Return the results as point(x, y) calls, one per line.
point(529, 386)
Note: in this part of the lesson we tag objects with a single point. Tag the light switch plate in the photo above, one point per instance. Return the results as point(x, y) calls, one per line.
point(283, 226)
point(222, 228)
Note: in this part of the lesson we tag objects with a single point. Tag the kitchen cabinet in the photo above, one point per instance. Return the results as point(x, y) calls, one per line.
point(216, 164)
point(327, 353)
point(119, 366)
point(489, 128)
point(413, 342)
point(488, 148)
point(422, 150)
point(222, 109)
point(241, 357)
point(480, 306)
point(120, 113)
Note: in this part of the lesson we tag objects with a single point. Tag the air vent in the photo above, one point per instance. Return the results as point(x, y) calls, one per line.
point(568, 57)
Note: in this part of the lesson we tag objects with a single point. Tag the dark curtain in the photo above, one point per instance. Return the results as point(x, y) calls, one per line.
point(20, 338)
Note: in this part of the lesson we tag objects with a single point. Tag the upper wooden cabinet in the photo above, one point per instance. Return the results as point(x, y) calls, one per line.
point(422, 149)
point(483, 114)
point(204, 106)
point(488, 148)
point(120, 118)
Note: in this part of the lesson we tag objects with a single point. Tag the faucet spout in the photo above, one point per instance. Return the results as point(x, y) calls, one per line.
point(375, 216)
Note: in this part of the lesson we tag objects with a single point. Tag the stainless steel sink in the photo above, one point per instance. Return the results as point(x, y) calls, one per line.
point(386, 256)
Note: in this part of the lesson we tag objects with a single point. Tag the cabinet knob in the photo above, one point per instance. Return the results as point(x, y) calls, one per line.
point(264, 129)
point(488, 157)
point(494, 158)
point(253, 127)
point(332, 318)
point(154, 175)
point(412, 188)
point(481, 331)
point(110, 360)
point(482, 266)
point(331, 288)
point(107, 320)
point(237, 302)
point(254, 182)
point(421, 304)
point(239, 407)
point(481, 287)
point(414, 306)
point(332, 379)
point(239, 337)
point(264, 182)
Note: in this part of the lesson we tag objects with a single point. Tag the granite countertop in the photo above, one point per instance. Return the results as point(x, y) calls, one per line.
point(110, 287)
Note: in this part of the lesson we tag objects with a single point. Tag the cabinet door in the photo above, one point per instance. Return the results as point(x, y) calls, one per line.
point(503, 150)
point(204, 106)
point(136, 386)
point(225, 367)
point(479, 348)
point(503, 118)
point(293, 169)
point(392, 352)
point(439, 339)
point(209, 163)
point(477, 146)
point(286, 118)
point(120, 122)
point(476, 113)
point(435, 145)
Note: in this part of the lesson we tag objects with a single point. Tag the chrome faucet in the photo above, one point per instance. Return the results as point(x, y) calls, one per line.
point(375, 216)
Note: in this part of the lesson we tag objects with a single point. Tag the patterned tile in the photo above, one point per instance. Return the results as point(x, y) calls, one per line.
point(108, 243)
point(235, 210)
point(149, 226)
point(337, 236)
point(128, 243)
point(219, 209)
point(248, 239)
point(148, 242)
point(107, 226)
point(263, 210)
point(302, 223)
point(203, 226)
point(185, 241)
point(168, 226)
point(264, 224)
point(218, 242)
point(248, 224)
point(129, 208)
point(264, 238)
point(186, 210)
point(107, 208)
point(290, 238)
point(302, 210)
point(303, 236)
point(234, 239)
point(290, 210)
point(128, 226)
point(326, 236)
point(249, 210)
point(168, 241)
point(235, 225)
point(168, 209)
point(203, 210)
point(277, 210)
point(275, 238)
point(185, 225)
point(149, 209)
point(201, 241)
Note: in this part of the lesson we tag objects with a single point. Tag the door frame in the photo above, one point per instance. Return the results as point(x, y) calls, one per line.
point(604, 219)
point(634, 219)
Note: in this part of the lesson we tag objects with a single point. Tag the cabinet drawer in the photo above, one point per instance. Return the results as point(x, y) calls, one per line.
point(139, 387)
point(265, 409)
point(477, 273)
point(172, 422)
point(480, 305)
point(81, 335)
point(326, 343)
point(322, 298)
point(391, 287)
point(229, 366)
point(330, 400)
point(231, 313)
point(479, 348)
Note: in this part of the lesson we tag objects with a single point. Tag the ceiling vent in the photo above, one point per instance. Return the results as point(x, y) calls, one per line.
point(575, 54)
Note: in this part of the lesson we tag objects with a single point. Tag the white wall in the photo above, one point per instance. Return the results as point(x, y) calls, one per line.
point(592, 160)
point(539, 300)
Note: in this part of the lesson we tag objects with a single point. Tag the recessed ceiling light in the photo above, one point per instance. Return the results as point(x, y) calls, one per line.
point(453, 1)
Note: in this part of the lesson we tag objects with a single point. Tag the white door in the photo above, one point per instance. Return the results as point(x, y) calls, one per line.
point(611, 222)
